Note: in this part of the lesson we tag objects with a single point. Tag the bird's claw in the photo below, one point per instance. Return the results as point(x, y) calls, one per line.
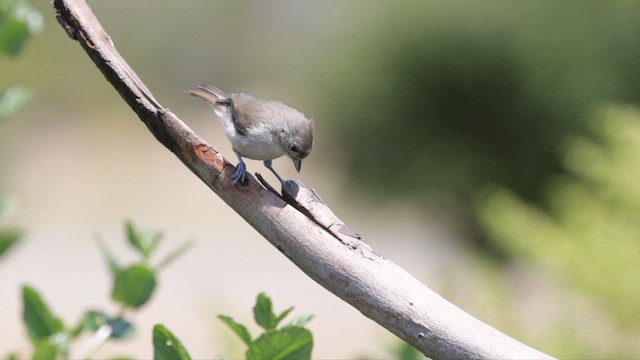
point(240, 174)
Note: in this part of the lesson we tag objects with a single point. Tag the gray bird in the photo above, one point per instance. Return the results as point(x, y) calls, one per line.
point(259, 129)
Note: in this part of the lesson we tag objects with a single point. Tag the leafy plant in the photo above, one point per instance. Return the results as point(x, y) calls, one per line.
point(46, 331)
point(133, 286)
point(292, 341)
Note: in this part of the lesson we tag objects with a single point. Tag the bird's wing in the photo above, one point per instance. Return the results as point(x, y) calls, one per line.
point(245, 109)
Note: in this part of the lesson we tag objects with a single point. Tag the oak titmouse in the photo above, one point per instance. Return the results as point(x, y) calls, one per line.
point(259, 129)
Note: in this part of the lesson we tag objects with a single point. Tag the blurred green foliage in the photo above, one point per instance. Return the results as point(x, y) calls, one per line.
point(587, 233)
point(289, 342)
point(166, 346)
point(45, 330)
point(133, 286)
point(12, 99)
point(448, 96)
point(8, 237)
point(18, 22)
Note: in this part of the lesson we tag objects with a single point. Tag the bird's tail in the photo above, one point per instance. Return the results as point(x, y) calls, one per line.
point(210, 94)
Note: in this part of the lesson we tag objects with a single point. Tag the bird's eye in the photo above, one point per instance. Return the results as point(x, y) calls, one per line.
point(294, 149)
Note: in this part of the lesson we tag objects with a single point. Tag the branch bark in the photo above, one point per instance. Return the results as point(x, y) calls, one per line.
point(301, 226)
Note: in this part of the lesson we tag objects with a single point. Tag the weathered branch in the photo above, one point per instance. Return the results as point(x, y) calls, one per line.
point(308, 233)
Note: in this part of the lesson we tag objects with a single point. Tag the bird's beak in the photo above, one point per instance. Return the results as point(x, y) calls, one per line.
point(298, 163)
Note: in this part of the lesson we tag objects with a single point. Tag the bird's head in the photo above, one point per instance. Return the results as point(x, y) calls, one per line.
point(296, 137)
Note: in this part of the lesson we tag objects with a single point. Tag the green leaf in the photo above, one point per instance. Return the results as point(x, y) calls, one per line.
point(283, 315)
point(145, 242)
point(134, 285)
point(174, 255)
point(44, 350)
point(13, 36)
point(108, 257)
point(93, 320)
point(121, 329)
point(133, 235)
point(263, 312)
point(290, 342)
point(12, 99)
point(237, 328)
point(8, 239)
point(151, 240)
point(301, 320)
point(40, 322)
point(19, 22)
point(167, 346)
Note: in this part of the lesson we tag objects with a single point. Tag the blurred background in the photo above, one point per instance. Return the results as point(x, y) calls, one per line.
point(492, 151)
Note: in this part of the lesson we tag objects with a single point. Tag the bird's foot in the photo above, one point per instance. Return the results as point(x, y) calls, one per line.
point(240, 173)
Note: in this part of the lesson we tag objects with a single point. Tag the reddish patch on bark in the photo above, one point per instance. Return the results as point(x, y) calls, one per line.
point(209, 156)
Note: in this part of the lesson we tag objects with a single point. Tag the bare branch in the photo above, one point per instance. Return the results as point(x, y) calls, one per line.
point(308, 233)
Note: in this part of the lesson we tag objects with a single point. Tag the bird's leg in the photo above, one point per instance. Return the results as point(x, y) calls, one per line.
point(240, 170)
point(267, 164)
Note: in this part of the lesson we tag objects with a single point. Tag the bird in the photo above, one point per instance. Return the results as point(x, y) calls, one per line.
point(259, 129)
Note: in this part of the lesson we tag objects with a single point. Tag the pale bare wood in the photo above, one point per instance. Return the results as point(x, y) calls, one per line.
point(308, 232)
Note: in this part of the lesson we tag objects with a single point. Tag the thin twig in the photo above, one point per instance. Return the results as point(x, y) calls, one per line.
point(93, 344)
